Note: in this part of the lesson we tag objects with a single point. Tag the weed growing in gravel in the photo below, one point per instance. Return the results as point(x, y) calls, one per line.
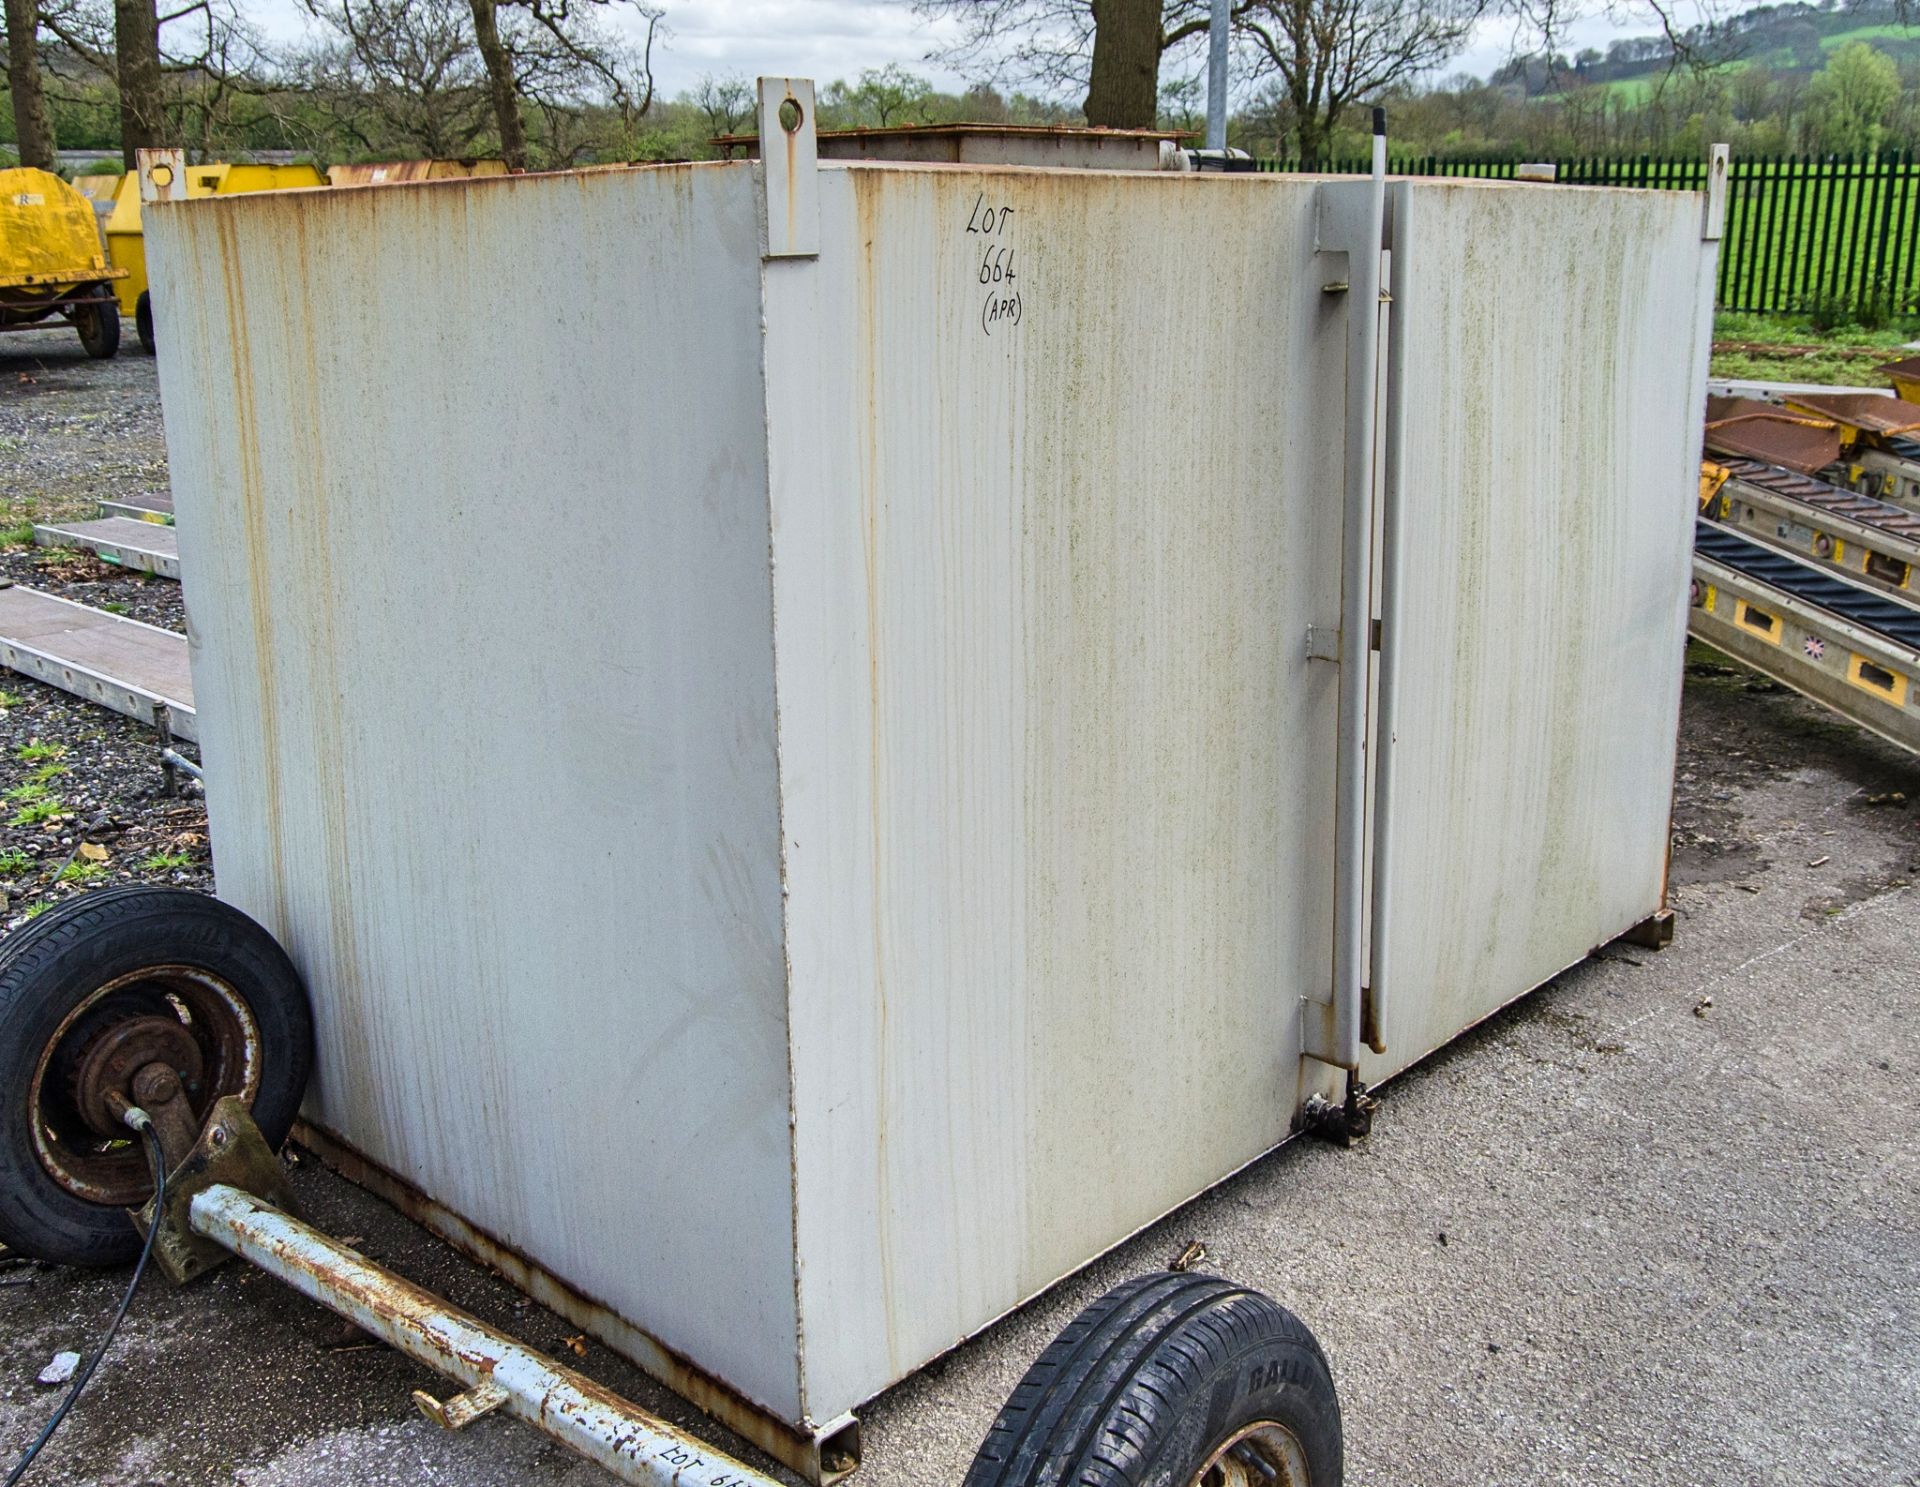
point(47, 772)
point(34, 911)
point(116, 607)
point(37, 750)
point(22, 793)
point(82, 872)
point(11, 699)
point(165, 862)
point(18, 535)
point(14, 861)
point(36, 811)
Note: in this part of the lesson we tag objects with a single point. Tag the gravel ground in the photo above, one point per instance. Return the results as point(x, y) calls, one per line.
point(72, 429)
point(84, 805)
point(74, 573)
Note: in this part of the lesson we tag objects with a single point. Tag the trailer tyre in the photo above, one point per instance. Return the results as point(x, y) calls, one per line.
point(104, 984)
point(98, 322)
point(143, 320)
point(1171, 1381)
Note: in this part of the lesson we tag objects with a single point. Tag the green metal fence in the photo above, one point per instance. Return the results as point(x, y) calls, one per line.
point(1832, 231)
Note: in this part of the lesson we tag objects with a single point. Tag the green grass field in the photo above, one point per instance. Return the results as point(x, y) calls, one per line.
point(1787, 348)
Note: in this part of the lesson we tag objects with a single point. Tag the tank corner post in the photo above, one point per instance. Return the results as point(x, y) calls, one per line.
point(789, 165)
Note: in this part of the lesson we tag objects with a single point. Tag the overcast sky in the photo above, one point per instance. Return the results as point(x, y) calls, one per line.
point(828, 39)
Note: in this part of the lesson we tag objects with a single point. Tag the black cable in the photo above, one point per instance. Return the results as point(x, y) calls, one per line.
point(157, 1161)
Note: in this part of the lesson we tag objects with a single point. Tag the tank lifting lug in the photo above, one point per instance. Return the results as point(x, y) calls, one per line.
point(1343, 1124)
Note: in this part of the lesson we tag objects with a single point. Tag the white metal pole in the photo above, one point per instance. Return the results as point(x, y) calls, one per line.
point(1356, 614)
point(1387, 672)
point(634, 1445)
point(1217, 76)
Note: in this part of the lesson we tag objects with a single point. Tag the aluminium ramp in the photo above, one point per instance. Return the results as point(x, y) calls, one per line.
point(1847, 647)
point(132, 668)
point(148, 508)
point(147, 546)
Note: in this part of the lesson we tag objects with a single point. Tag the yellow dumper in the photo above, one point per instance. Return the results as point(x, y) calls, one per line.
point(126, 242)
point(52, 262)
point(395, 172)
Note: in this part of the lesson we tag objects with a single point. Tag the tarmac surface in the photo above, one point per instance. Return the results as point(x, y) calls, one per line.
point(1658, 1222)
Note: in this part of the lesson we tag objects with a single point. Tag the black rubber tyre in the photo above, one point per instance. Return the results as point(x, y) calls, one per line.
point(143, 320)
point(1157, 1381)
point(98, 322)
point(107, 958)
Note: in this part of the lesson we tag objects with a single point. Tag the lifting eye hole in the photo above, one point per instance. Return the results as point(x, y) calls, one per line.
point(791, 115)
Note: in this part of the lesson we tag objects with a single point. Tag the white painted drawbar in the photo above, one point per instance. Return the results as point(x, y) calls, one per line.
point(833, 738)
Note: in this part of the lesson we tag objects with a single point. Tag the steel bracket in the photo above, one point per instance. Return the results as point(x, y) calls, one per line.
point(1713, 223)
point(232, 1151)
point(789, 167)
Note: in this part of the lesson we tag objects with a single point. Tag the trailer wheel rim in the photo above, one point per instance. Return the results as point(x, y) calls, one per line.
point(111, 1169)
point(1262, 1454)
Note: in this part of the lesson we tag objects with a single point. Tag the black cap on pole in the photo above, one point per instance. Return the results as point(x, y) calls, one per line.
point(1379, 121)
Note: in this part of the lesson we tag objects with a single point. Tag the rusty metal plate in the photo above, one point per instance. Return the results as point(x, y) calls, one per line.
point(1872, 412)
point(1791, 443)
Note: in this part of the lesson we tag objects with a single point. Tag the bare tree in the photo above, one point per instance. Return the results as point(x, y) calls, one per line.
point(727, 102)
point(176, 74)
point(1110, 48)
point(32, 130)
point(1328, 54)
point(399, 76)
point(552, 53)
point(435, 77)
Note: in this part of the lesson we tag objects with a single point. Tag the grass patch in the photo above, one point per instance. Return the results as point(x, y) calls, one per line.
point(11, 699)
point(18, 534)
point(165, 862)
point(82, 872)
point(45, 773)
point(34, 911)
point(13, 862)
point(1764, 366)
point(28, 752)
point(1787, 348)
point(116, 607)
point(36, 811)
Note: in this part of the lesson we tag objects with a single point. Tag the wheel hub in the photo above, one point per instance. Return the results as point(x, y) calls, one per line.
point(109, 1062)
point(187, 1032)
point(1263, 1454)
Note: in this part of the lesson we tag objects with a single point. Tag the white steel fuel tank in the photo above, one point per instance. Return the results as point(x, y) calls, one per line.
point(833, 738)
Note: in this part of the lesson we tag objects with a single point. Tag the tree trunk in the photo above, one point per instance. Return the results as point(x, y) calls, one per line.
point(1123, 90)
point(1311, 132)
point(30, 125)
point(136, 47)
point(500, 85)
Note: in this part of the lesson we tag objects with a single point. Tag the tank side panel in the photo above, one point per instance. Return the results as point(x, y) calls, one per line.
point(1553, 383)
point(1057, 774)
point(471, 492)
